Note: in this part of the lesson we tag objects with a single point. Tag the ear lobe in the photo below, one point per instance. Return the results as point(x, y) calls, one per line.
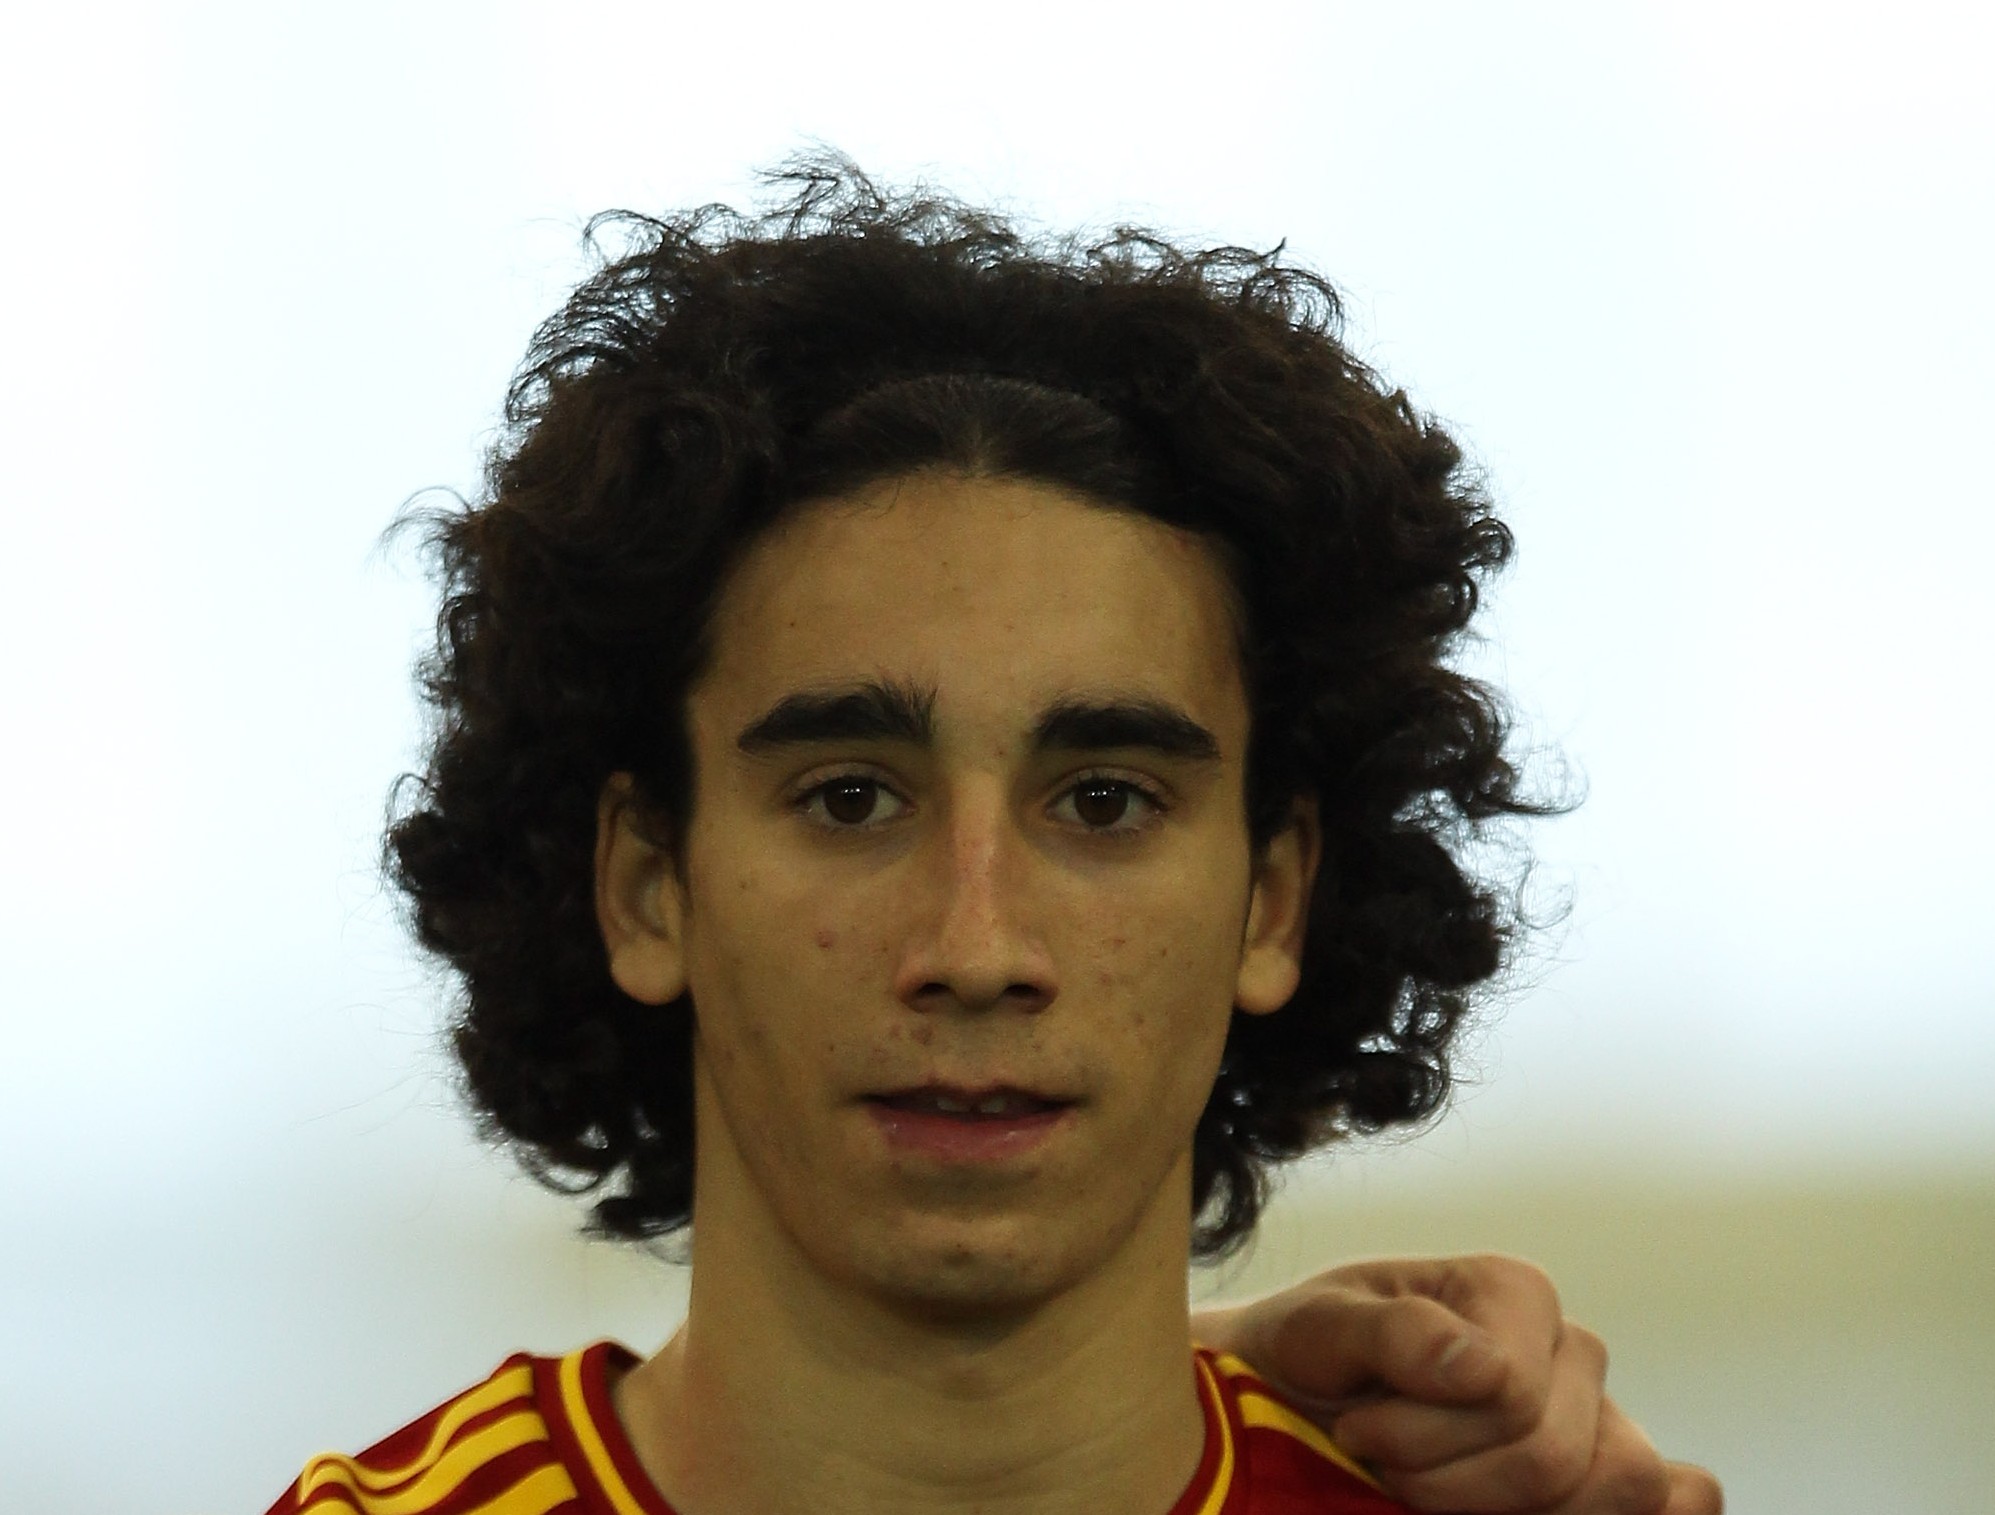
point(1278, 914)
point(640, 908)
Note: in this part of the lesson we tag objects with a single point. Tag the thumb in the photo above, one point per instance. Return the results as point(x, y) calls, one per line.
point(1339, 1346)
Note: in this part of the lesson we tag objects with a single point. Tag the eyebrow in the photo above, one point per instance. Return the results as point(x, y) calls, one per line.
point(890, 711)
point(868, 712)
point(1082, 725)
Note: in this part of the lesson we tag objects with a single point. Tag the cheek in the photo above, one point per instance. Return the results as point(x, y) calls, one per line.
point(783, 974)
point(1170, 957)
point(1165, 974)
point(1167, 935)
point(744, 947)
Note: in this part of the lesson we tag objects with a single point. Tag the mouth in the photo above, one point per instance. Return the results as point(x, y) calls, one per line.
point(995, 1102)
point(957, 1127)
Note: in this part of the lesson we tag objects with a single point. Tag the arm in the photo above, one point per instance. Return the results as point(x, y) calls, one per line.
point(1463, 1386)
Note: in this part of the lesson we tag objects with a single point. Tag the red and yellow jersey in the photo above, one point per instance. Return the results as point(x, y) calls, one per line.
point(539, 1437)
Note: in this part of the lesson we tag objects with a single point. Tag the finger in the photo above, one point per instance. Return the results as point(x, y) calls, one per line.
point(1628, 1475)
point(1480, 1286)
point(1693, 1491)
point(1555, 1419)
point(1340, 1343)
point(1476, 1460)
point(1517, 1304)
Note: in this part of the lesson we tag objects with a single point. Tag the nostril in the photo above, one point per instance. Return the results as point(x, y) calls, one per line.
point(1015, 996)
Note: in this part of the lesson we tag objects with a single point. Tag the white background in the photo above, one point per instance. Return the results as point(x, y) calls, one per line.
point(1705, 287)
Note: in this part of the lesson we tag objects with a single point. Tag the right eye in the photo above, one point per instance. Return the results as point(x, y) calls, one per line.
point(849, 802)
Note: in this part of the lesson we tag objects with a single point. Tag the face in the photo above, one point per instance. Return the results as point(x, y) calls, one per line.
point(969, 817)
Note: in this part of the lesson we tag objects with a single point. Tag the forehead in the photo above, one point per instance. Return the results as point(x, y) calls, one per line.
point(999, 593)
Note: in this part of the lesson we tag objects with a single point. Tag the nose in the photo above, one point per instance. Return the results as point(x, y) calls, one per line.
point(975, 942)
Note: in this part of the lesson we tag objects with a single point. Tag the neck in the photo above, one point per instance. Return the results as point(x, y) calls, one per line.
point(786, 1391)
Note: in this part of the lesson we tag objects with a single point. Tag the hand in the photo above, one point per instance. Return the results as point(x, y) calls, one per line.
point(1460, 1383)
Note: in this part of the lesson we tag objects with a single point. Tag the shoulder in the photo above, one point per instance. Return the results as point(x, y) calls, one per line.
point(1285, 1461)
point(511, 1444)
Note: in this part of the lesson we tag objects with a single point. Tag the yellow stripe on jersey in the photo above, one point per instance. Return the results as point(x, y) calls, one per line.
point(1257, 1409)
point(544, 1489)
point(514, 1383)
point(598, 1456)
point(431, 1485)
point(1272, 1414)
point(1215, 1409)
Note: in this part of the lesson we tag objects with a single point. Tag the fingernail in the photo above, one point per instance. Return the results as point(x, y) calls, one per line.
point(1468, 1358)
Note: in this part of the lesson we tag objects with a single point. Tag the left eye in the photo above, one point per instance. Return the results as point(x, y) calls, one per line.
point(851, 801)
point(1104, 804)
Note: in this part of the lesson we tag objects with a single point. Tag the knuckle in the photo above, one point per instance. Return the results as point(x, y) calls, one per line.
point(1478, 1273)
point(1522, 1271)
point(1628, 1474)
point(1644, 1489)
point(1520, 1419)
point(1543, 1472)
point(1521, 1410)
point(1589, 1346)
point(1694, 1491)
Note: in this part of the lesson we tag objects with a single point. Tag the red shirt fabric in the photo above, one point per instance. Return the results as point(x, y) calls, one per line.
point(539, 1437)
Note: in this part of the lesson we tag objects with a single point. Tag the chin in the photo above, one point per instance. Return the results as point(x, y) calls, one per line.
point(961, 1273)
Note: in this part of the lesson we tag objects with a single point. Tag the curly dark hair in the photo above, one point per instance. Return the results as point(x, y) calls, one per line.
point(720, 370)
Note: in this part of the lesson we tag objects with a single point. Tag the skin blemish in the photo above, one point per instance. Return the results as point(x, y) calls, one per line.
point(924, 1033)
point(827, 938)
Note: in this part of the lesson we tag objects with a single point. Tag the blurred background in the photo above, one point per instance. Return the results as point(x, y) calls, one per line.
point(1703, 286)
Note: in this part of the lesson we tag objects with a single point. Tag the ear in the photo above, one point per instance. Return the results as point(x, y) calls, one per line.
point(640, 904)
point(1278, 913)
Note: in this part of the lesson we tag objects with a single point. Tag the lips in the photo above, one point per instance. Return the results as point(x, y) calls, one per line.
point(992, 1128)
point(988, 1102)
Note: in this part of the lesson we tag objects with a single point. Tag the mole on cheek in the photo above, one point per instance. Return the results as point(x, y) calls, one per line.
point(827, 938)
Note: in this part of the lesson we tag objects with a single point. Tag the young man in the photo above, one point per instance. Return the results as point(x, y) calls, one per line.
point(946, 771)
